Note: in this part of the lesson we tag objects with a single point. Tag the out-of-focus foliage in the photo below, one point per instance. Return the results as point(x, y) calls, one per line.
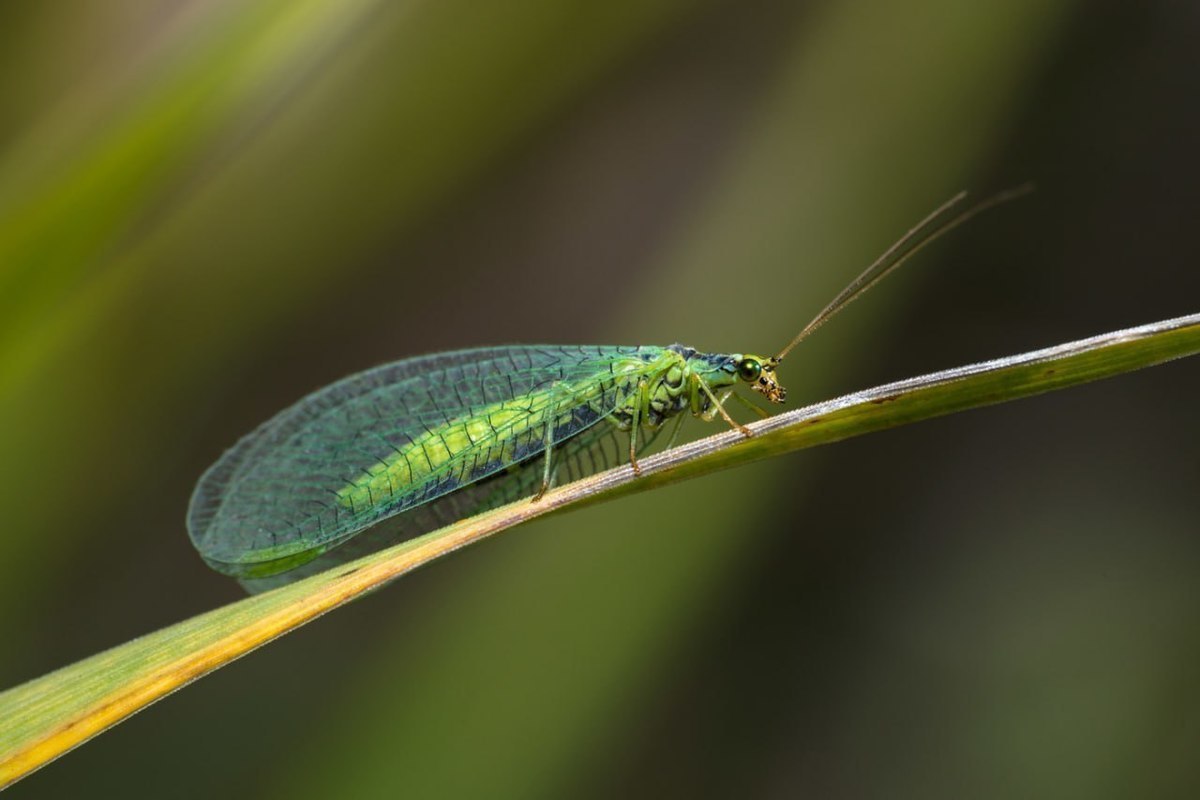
point(209, 208)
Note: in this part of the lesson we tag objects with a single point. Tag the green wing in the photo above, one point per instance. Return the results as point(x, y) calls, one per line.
point(276, 499)
point(594, 450)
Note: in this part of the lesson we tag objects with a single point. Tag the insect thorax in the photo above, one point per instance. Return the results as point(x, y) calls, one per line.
point(671, 386)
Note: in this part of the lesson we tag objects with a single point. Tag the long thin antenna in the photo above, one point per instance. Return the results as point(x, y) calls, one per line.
point(928, 230)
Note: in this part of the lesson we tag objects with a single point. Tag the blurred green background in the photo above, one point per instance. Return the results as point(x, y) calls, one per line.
point(208, 209)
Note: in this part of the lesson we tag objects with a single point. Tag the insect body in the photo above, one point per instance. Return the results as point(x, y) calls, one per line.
point(643, 389)
point(406, 447)
point(403, 435)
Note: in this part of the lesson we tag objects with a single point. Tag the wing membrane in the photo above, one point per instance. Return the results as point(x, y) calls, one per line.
point(595, 450)
point(277, 498)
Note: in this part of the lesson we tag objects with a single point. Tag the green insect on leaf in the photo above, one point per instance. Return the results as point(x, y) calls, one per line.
point(407, 447)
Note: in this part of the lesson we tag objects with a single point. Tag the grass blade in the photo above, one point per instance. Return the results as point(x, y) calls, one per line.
point(50, 715)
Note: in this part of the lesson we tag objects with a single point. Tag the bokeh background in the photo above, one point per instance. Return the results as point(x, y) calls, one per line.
point(209, 208)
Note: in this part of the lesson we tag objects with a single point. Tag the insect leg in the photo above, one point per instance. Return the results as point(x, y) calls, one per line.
point(761, 412)
point(720, 408)
point(643, 400)
point(675, 431)
point(548, 447)
point(711, 412)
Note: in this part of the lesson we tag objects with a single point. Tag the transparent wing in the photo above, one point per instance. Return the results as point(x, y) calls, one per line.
point(272, 501)
point(594, 450)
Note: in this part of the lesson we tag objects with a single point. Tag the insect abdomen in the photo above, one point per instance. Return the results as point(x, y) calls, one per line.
point(469, 448)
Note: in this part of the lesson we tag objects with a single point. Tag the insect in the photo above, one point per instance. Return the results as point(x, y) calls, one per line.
point(398, 450)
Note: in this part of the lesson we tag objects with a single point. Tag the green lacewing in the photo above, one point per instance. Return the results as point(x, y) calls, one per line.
point(404, 448)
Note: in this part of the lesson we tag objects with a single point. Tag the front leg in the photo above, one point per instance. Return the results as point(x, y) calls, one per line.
point(720, 409)
point(709, 414)
point(761, 413)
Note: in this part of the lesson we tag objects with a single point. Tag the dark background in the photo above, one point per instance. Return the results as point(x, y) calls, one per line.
point(209, 209)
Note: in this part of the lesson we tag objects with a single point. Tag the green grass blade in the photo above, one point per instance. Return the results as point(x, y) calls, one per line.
point(52, 714)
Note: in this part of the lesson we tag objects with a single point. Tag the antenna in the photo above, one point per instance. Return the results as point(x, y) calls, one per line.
point(937, 224)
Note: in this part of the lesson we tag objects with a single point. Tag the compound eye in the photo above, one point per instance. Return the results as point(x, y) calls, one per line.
point(749, 369)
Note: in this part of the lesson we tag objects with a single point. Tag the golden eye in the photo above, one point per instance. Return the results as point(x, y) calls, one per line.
point(749, 369)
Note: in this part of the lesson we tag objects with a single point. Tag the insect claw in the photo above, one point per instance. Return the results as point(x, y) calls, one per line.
point(745, 431)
